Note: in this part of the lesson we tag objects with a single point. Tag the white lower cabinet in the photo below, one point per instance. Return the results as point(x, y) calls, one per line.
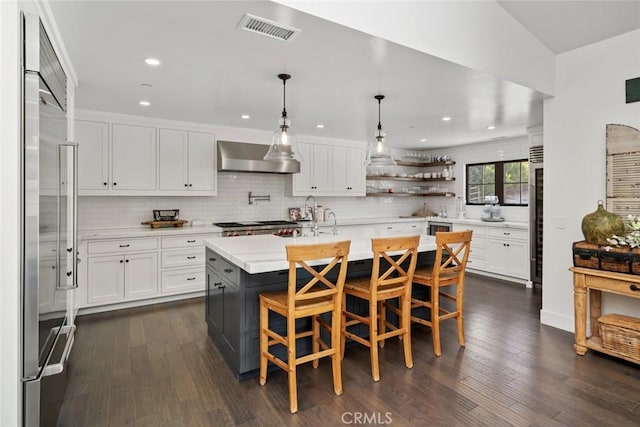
point(498, 250)
point(182, 280)
point(478, 252)
point(119, 278)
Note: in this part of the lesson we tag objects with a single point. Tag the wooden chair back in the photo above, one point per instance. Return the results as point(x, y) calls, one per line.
point(319, 286)
point(399, 274)
point(452, 254)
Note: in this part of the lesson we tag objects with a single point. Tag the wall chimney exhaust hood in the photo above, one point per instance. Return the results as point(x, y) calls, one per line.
point(245, 157)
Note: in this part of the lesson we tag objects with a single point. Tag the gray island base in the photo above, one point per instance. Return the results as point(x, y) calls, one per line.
point(238, 269)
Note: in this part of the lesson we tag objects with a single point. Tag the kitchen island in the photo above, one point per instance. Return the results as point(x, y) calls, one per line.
point(238, 269)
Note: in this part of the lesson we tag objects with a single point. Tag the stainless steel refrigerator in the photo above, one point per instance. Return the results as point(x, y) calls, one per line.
point(49, 241)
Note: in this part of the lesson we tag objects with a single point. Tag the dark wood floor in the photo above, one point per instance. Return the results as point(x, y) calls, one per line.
point(155, 366)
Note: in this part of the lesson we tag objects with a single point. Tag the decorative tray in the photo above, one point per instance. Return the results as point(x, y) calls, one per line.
point(158, 224)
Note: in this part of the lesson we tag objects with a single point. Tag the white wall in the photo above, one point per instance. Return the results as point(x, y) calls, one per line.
point(479, 35)
point(590, 92)
point(10, 387)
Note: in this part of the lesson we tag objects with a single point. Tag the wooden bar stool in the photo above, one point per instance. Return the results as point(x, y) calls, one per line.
point(448, 269)
point(394, 282)
point(319, 295)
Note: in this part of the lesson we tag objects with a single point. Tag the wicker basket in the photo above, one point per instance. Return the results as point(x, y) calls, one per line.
point(621, 334)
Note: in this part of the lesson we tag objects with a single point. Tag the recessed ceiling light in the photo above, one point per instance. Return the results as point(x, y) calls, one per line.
point(491, 127)
point(446, 118)
point(423, 140)
point(152, 61)
point(245, 117)
point(145, 103)
point(320, 126)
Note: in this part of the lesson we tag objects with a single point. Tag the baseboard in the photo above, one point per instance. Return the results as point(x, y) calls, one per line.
point(512, 279)
point(138, 303)
point(557, 320)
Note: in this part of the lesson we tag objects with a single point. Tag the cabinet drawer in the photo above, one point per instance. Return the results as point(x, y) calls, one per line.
point(189, 279)
point(227, 270)
point(121, 246)
point(182, 241)
point(509, 233)
point(621, 287)
point(183, 258)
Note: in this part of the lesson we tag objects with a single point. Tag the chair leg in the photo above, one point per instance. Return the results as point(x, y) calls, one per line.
point(382, 327)
point(315, 344)
point(405, 323)
point(435, 319)
point(264, 341)
point(336, 357)
point(459, 305)
point(373, 340)
point(291, 359)
point(343, 326)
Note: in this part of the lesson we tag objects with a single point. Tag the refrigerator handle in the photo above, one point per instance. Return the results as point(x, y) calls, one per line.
point(72, 244)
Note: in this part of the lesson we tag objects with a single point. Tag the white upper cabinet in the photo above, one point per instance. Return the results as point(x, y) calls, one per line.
point(349, 171)
point(127, 159)
point(328, 170)
point(93, 155)
point(187, 162)
point(202, 162)
point(174, 160)
point(134, 157)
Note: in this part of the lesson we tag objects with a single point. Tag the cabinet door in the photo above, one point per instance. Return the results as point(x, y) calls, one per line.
point(348, 171)
point(322, 172)
point(202, 162)
point(174, 160)
point(141, 275)
point(497, 256)
point(105, 279)
point(302, 182)
point(93, 155)
point(231, 322)
point(518, 259)
point(214, 302)
point(133, 157)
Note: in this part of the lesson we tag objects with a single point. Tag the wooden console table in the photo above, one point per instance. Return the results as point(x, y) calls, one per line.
point(596, 282)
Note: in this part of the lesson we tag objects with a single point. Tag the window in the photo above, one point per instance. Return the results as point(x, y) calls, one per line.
point(508, 180)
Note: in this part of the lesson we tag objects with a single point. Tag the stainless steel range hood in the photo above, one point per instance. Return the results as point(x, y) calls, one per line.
point(245, 157)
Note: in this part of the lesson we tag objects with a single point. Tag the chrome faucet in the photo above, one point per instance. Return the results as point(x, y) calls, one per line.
point(335, 223)
point(314, 219)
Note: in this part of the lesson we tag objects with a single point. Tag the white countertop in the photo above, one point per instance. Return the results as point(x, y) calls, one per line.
point(260, 254)
point(114, 233)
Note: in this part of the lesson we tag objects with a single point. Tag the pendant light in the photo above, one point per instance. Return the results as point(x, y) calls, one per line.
point(379, 152)
point(283, 144)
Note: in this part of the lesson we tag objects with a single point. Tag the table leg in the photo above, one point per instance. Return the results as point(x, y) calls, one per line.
point(595, 305)
point(580, 313)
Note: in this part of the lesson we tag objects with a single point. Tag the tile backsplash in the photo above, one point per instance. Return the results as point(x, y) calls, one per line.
point(231, 204)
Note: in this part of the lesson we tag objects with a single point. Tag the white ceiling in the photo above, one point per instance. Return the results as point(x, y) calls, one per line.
point(213, 73)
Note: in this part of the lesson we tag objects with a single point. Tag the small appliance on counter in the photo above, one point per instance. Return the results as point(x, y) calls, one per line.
point(491, 210)
point(165, 218)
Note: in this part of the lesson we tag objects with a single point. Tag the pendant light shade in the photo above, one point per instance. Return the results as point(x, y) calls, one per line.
point(379, 152)
point(284, 145)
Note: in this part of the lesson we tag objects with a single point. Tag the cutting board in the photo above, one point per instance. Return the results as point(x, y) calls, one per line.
point(158, 224)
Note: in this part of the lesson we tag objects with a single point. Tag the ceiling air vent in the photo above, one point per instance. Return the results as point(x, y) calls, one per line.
point(536, 154)
point(268, 28)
